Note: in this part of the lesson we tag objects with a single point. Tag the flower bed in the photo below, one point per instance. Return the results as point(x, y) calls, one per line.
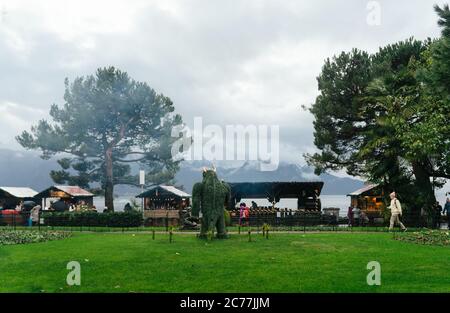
point(14, 237)
point(428, 237)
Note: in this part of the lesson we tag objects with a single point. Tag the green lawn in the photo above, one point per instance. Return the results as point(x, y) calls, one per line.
point(326, 262)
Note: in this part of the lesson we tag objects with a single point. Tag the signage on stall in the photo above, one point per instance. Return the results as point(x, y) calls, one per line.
point(58, 194)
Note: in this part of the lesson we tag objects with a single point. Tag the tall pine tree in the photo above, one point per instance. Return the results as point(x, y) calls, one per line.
point(108, 121)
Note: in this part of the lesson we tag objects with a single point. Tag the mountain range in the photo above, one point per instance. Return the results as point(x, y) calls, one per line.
point(27, 169)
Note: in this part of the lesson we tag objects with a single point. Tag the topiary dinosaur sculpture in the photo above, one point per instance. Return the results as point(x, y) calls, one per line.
point(210, 197)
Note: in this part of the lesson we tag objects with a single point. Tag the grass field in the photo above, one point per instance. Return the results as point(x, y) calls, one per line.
point(326, 262)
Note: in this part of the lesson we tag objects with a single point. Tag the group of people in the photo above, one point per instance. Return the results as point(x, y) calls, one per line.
point(438, 210)
point(57, 206)
point(81, 207)
point(357, 217)
point(432, 218)
point(62, 205)
point(18, 208)
point(244, 214)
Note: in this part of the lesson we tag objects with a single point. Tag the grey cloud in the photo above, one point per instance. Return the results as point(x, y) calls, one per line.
point(242, 62)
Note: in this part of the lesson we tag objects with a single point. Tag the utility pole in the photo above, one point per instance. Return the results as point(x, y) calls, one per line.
point(142, 183)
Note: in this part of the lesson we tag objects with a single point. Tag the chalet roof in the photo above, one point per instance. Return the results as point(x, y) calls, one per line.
point(73, 191)
point(363, 190)
point(164, 190)
point(19, 192)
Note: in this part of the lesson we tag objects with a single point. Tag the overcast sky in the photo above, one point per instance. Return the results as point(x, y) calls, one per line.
point(229, 61)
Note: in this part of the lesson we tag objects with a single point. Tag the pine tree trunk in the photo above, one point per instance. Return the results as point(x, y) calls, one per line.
point(424, 185)
point(109, 183)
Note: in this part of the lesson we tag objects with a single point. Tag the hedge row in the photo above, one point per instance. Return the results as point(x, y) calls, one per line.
point(114, 219)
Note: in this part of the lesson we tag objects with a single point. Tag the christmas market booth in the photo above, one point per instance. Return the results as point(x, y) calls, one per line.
point(10, 197)
point(164, 204)
point(368, 199)
point(62, 197)
point(15, 204)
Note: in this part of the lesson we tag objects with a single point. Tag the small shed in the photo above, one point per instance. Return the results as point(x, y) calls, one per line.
point(12, 196)
point(165, 197)
point(69, 194)
point(163, 205)
point(369, 199)
point(331, 211)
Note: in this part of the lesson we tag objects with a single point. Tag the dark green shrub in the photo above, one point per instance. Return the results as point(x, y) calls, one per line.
point(93, 219)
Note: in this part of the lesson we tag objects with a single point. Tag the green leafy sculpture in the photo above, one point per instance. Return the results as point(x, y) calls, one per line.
point(210, 197)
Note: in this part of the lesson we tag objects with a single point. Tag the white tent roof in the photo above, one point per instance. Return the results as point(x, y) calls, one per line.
point(362, 190)
point(175, 191)
point(169, 189)
point(20, 192)
point(75, 191)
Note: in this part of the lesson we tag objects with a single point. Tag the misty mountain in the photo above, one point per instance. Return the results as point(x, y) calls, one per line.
point(27, 169)
point(191, 172)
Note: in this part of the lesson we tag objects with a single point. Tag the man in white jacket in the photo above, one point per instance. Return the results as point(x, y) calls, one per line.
point(396, 212)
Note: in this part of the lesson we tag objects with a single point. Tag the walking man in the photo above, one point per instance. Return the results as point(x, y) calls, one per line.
point(396, 212)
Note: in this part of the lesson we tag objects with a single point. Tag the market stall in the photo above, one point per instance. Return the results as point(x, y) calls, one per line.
point(368, 199)
point(163, 204)
point(11, 197)
point(62, 197)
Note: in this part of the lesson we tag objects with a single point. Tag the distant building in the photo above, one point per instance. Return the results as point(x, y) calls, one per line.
point(306, 193)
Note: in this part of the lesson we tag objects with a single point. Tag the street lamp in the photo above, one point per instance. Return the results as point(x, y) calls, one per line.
point(142, 183)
